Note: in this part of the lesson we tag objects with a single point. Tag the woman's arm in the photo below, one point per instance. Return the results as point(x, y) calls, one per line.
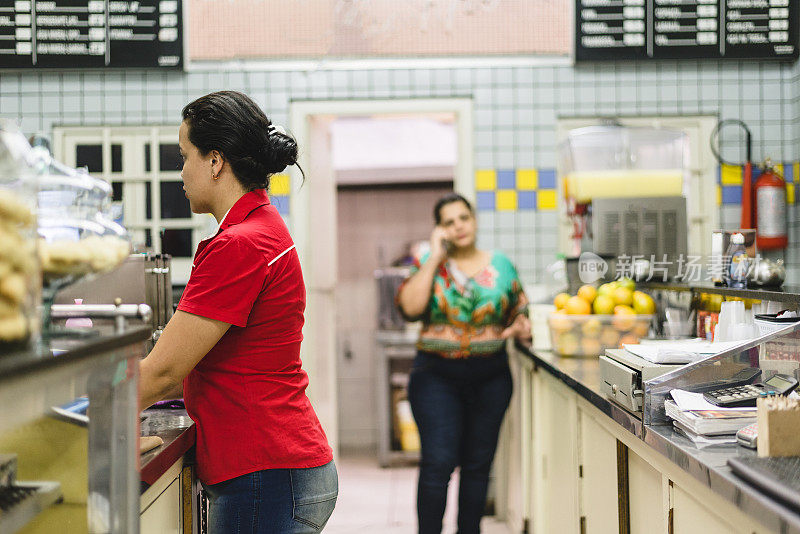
point(416, 292)
point(184, 342)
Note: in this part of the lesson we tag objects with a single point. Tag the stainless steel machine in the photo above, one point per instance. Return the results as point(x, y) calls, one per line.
point(644, 227)
point(143, 278)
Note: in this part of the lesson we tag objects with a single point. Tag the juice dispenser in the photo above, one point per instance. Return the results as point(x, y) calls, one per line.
point(618, 162)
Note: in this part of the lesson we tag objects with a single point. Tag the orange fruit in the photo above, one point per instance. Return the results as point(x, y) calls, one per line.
point(567, 344)
point(587, 293)
point(641, 329)
point(603, 305)
point(592, 327)
point(578, 306)
point(591, 347)
point(628, 339)
point(624, 318)
point(559, 321)
point(609, 337)
point(561, 300)
point(623, 295)
point(643, 304)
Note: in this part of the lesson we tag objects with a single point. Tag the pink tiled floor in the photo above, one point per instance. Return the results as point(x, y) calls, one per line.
point(382, 501)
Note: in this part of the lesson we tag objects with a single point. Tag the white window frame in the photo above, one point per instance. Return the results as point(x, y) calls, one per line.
point(133, 177)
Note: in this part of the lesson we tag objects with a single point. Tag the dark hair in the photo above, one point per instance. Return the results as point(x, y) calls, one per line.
point(231, 123)
point(449, 199)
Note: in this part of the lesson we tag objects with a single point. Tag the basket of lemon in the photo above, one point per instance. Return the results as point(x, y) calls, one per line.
point(601, 318)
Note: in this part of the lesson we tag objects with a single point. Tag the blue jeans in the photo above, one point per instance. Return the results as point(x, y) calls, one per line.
point(274, 501)
point(458, 406)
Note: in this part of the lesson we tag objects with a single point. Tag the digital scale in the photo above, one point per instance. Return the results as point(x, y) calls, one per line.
point(623, 374)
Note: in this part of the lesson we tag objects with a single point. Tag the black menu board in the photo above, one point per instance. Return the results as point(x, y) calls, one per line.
point(686, 29)
point(79, 34)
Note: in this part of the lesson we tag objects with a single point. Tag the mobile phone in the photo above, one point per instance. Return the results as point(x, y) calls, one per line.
point(748, 436)
point(447, 245)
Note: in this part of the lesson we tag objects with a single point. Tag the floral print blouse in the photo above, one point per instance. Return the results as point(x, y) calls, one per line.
point(467, 315)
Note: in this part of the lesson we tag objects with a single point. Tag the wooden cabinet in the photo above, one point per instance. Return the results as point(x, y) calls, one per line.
point(571, 469)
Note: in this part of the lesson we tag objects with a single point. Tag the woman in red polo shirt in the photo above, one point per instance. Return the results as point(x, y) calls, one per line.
point(233, 345)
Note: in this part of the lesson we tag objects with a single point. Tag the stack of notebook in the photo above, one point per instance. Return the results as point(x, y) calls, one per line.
point(704, 423)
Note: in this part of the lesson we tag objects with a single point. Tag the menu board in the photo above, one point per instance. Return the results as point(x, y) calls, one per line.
point(686, 29)
point(79, 34)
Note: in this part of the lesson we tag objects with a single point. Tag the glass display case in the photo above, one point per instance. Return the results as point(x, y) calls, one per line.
point(777, 352)
point(76, 473)
point(78, 235)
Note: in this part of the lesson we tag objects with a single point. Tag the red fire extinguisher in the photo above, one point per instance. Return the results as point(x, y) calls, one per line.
point(770, 209)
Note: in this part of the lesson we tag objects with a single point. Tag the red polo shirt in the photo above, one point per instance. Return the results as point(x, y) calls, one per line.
point(247, 395)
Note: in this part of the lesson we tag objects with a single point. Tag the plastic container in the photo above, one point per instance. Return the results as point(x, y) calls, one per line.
point(622, 162)
point(20, 280)
point(590, 335)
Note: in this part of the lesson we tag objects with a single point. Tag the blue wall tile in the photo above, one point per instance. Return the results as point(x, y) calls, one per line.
point(485, 200)
point(547, 178)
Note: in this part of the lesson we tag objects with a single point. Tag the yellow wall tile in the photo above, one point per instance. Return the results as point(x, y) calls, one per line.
point(486, 180)
point(719, 195)
point(779, 169)
point(546, 199)
point(527, 179)
point(505, 200)
point(790, 193)
point(731, 175)
point(279, 185)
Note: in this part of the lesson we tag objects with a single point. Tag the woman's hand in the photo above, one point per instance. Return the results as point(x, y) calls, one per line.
point(438, 249)
point(519, 329)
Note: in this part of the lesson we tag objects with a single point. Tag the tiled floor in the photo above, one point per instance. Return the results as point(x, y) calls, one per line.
point(382, 501)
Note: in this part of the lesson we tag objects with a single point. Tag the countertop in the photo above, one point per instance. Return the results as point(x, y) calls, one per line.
point(708, 465)
point(178, 432)
point(63, 350)
point(786, 293)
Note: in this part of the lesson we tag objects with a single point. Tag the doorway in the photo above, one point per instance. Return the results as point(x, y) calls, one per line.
point(314, 217)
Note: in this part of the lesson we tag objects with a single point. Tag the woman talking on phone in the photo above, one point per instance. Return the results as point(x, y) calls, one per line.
point(233, 345)
point(470, 301)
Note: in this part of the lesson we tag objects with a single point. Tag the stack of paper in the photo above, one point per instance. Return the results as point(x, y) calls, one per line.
point(704, 423)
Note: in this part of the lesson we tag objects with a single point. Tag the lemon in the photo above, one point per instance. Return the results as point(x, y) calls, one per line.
point(623, 296)
point(643, 304)
point(603, 305)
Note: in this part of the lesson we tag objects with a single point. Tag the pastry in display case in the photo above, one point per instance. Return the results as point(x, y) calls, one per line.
point(19, 270)
point(78, 236)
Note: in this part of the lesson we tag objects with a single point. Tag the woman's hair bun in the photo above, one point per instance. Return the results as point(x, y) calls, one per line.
point(279, 152)
point(231, 123)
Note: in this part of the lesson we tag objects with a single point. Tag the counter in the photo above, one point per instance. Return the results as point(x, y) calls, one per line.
point(178, 432)
point(98, 460)
point(707, 466)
